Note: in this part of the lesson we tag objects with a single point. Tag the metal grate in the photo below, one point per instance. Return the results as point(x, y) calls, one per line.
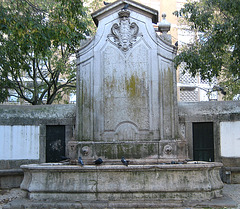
point(214, 81)
point(187, 78)
point(188, 96)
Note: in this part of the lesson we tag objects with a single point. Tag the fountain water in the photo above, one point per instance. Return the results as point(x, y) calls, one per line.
point(126, 106)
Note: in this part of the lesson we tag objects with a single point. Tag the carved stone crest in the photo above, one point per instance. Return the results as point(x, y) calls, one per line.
point(124, 34)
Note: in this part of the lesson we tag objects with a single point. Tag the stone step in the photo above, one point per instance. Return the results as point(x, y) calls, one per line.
point(223, 202)
point(30, 204)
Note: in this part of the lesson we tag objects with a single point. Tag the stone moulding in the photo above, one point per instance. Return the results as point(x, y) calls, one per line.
point(168, 182)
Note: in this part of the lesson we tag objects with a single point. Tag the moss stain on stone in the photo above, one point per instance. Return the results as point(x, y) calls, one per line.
point(123, 150)
point(133, 86)
point(170, 77)
point(111, 84)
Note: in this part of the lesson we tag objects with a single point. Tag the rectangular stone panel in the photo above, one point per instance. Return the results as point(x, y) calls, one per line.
point(125, 87)
point(230, 139)
point(19, 142)
point(86, 106)
point(114, 150)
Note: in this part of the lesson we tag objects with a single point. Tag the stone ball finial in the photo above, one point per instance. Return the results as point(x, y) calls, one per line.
point(164, 26)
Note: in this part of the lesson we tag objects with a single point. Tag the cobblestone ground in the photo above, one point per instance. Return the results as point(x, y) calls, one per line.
point(10, 195)
point(232, 190)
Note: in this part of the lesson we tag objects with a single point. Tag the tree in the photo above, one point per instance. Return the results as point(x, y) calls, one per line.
point(93, 5)
point(216, 50)
point(37, 40)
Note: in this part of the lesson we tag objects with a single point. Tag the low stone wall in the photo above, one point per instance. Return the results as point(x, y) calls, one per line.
point(225, 117)
point(16, 125)
point(10, 178)
point(216, 112)
point(37, 115)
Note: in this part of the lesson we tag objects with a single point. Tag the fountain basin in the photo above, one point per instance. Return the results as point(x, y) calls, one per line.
point(171, 182)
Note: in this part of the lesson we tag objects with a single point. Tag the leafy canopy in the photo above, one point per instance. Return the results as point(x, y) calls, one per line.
point(215, 52)
point(37, 40)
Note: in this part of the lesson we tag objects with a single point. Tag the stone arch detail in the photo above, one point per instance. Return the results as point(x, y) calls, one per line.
point(126, 131)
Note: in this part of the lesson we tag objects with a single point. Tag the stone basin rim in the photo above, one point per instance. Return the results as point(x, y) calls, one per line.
point(60, 166)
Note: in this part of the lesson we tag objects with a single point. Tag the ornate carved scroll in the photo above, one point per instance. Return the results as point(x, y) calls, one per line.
point(124, 34)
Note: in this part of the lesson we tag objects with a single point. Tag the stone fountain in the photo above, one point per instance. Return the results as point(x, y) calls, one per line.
point(126, 106)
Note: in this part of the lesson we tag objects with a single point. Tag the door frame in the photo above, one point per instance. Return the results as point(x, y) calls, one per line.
point(69, 134)
point(211, 146)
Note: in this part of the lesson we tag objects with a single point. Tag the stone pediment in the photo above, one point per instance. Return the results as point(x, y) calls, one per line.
point(120, 4)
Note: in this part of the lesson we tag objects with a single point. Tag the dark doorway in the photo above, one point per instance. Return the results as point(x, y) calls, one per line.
point(55, 143)
point(203, 143)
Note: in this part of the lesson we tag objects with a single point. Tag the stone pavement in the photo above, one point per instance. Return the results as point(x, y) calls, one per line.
point(233, 191)
point(231, 199)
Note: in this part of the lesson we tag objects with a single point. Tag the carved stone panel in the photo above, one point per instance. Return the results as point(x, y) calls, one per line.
point(125, 87)
point(86, 101)
point(126, 131)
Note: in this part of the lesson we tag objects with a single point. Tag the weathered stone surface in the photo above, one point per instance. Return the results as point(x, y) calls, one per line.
point(117, 182)
point(126, 85)
point(10, 178)
point(216, 110)
point(37, 114)
point(225, 116)
point(19, 144)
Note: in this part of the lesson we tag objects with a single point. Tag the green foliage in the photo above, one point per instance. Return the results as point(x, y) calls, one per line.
point(216, 49)
point(93, 5)
point(37, 40)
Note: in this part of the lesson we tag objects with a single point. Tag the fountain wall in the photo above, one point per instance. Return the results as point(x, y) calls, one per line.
point(126, 94)
point(126, 105)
